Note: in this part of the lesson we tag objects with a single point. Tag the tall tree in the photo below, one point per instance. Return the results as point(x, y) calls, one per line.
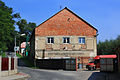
point(25, 28)
point(7, 29)
point(109, 46)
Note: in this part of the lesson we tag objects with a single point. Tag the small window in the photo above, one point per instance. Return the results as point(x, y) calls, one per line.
point(66, 40)
point(82, 40)
point(50, 40)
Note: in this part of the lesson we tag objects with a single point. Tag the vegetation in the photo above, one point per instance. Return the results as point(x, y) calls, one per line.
point(25, 28)
point(27, 62)
point(7, 29)
point(8, 21)
point(18, 55)
point(3, 54)
point(109, 46)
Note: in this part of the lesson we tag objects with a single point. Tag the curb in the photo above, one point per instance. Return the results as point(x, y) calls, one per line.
point(26, 76)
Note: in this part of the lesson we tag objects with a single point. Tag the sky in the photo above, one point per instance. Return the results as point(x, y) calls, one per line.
point(104, 15)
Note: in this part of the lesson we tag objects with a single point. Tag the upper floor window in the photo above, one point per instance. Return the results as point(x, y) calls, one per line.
point(50, 39)
point(82, 40)
point(66, 40)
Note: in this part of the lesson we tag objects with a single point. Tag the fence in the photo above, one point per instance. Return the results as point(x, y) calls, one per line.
point(8, 66)
point(65, 64)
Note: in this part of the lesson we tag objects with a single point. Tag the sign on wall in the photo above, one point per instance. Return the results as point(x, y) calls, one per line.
point(16, 48)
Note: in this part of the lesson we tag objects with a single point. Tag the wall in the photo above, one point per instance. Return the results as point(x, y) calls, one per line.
point(59, 49)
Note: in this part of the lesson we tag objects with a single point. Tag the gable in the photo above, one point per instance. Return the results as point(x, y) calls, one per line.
point(65, 23)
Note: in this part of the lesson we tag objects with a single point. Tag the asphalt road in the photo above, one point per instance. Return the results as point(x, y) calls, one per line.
point(41, 74)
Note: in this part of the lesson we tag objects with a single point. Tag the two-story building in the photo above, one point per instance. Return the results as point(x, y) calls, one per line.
point(64, 35)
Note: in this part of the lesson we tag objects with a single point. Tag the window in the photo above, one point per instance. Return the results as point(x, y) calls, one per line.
point(82, 40)
point(66, 40)
point(50, 40)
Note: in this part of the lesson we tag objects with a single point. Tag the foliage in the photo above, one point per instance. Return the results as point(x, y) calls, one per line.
point(7, 29)
point(8, 21)
point(3, 54)
point(18, 55)
point(109, 46)
point(25, 28)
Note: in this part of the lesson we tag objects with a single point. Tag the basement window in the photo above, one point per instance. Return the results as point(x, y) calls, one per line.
point(82, 40)
point(50, 39)
point(66, 40)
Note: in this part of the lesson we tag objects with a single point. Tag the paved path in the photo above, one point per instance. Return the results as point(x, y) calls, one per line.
point(18, 76)
point(41, 74)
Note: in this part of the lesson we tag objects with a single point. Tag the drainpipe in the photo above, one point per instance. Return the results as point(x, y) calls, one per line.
point(43, 56)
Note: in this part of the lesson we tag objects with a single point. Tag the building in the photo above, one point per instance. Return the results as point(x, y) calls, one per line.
point(64, 35)
point(23, 46)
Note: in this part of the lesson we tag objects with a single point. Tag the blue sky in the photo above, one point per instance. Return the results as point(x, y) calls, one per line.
point(102, 14)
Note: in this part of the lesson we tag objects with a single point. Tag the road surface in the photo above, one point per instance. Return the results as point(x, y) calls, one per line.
point(41, 74)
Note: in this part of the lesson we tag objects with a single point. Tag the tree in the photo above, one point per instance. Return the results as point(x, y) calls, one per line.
point(7, 29)
point(25, 28)
point(109, 46)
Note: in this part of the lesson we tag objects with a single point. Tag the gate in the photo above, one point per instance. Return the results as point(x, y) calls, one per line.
point(5, 64)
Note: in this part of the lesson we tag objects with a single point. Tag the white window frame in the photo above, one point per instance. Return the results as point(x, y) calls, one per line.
point(66, 41)
point(82, 42)
point(50, 40)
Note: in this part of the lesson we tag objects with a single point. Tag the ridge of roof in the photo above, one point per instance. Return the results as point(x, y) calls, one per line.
point(72, 13)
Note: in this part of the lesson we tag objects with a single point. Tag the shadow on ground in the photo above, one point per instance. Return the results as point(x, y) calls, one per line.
point(104, 76)
point(98, 76)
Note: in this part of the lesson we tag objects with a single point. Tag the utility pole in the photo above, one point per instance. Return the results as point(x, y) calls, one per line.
point(15, 46)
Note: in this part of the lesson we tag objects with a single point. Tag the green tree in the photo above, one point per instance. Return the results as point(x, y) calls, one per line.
point(109, 46)
point(25, 28)
point(7, 29)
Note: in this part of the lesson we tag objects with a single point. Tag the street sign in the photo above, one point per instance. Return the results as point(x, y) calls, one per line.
point(16, 48)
